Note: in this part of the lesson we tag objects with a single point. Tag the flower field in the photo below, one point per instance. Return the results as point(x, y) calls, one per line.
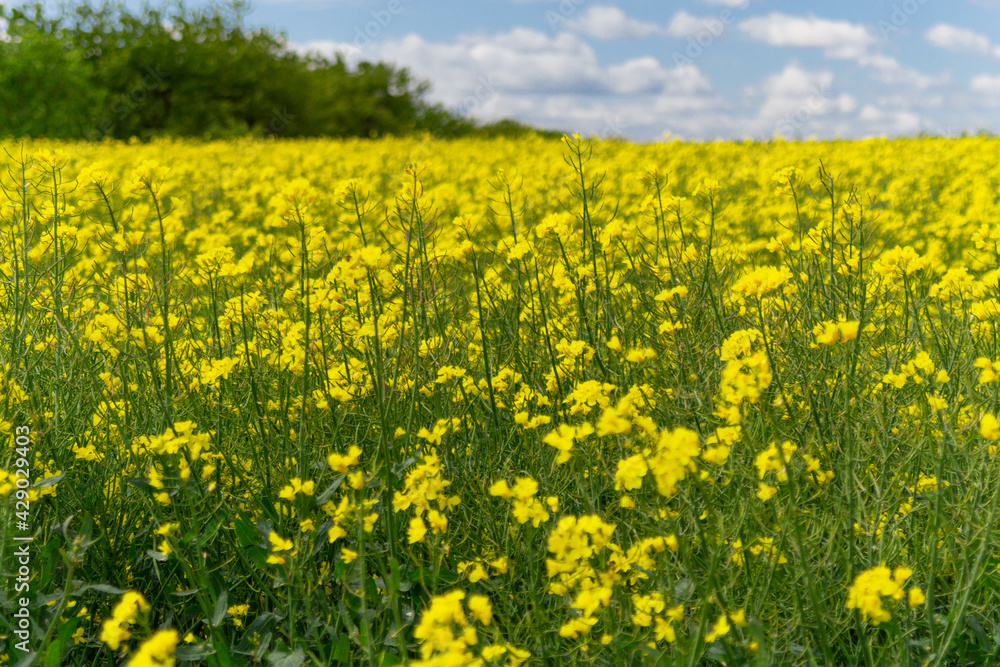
point(498, 402)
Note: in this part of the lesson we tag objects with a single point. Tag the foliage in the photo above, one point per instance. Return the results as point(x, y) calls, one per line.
point(105, 70)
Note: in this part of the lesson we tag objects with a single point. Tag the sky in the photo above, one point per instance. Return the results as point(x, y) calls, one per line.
point(696, 69)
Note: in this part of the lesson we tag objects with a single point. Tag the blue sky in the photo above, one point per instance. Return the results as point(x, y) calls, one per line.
point(698, 69)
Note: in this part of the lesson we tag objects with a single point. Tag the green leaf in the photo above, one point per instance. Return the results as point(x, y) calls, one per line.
point(212, 528)
point(395, 585)
point(398, 468)
point(221, 605)
point(763, 658)
point(387, 659)
point(54, 651)
point(192, 652)
point(343, 649)
point(246, 534)
point(283, 659)
point(265, 619)
point(105, 588)
point(186, 593)
point(684, 589)
point(49, 481)
point(140, 483)
point(27, 660)
point(330, 490)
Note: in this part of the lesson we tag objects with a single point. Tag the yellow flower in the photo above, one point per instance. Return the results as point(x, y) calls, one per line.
point(664, 631)
point(762, 281)
point(335, 533)
point(827, 333)
point(438, 521)
point(417, 531)
point(500, 565)
point(476, 571)
point(715, 455)
point(936, 402)
point(113, 634)
point(480, 608)
point(720, 629)
point(524, 488)
point(168, 528)
point(500, 488)
point(295, 487)
point(493, 652)
point(278, 543)
point(156, 651)
point(871, 586)
point(765, 491)
point(848, 330)
point(630, 473)
point(115, 630)
point(989, 427)
point(341, 462)
point(237, 612)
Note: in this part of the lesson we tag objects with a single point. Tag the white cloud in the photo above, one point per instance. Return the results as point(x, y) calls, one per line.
point(888, 70)
point(985, 84)
point(960, 39)
point(528, 62)
point(796, 95)
point(684, 25)
point(840, 39)
point(869, 113)
point(735, 4)
point(905, 122)
point(330, 49)
point(888, 122)
point(646, 76)
point(551, 81)
point(608, 22)
point(523, 60)
point(561, 81)
point(801, 102)
point(911, 100)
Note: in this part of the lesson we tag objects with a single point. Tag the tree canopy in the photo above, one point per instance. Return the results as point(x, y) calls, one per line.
point(104, 70)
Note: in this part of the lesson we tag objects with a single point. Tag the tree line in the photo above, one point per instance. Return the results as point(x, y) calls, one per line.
point(96, 71)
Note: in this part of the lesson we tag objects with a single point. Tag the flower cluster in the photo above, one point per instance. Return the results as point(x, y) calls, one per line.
point(526, 506)
point(426, 491)
point(872, 585)
point(448, 638)
point(132, 608)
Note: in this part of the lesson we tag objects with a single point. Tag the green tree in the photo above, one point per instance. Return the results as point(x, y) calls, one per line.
point(105, 70)
point(45, 87)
